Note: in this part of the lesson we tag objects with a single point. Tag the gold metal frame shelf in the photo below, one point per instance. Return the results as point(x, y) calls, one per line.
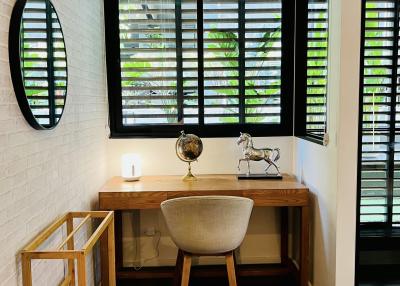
point(105, 232)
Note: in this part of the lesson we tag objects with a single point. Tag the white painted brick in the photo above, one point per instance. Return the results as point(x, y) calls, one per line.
point(7, 125)
point(44, 174)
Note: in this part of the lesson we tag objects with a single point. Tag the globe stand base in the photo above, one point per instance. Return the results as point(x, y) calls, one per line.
point(189, 176)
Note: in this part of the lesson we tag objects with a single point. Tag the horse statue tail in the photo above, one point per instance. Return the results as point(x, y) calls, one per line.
point(278, 154)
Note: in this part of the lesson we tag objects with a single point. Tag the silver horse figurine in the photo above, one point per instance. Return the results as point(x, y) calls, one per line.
point(253, 154)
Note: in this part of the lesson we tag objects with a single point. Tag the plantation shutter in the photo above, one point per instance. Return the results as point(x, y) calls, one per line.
point(189, 77)
point(41, 42)
point(380, 114)
point(263, 61)
point(148, 61)
point(317, 68)
point(221, 61)
point(396, 128)
point(200, 62)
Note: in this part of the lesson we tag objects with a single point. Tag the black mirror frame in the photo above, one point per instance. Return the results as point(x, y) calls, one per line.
point(15, 65)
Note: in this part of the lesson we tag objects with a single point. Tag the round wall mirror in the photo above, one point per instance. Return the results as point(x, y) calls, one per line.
point(38, 62)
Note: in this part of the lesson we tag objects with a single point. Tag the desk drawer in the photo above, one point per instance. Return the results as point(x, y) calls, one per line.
point(278, 198)
point(131, 200)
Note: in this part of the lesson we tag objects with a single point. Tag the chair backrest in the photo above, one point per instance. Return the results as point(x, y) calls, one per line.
point(207, 224)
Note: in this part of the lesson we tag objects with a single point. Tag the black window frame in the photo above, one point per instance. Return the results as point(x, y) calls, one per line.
point(392, 131)
point(300, 117)
point(117, 130)
point(375, 235)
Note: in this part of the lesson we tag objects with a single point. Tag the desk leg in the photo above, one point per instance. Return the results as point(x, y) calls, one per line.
point(285, 235)
point(304, 247)
point(107, 237)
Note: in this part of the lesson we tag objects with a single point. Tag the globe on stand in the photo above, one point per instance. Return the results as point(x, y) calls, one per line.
point(188, 148)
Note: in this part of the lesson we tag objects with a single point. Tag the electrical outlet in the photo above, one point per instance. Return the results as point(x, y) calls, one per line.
point(150, 231)
point(326, 139)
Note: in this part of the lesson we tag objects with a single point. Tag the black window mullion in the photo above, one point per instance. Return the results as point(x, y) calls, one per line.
point(301, 68)
point(311, 93)
point(179, 59)
point(200, 62)
point(113, 61)
point(287, 69)
point(242, 62)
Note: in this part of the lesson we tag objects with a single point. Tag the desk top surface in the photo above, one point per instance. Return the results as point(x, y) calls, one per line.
point(203, 183)
point(150, 191)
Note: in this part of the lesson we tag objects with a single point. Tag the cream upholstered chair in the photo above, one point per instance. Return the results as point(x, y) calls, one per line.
point(207, 225)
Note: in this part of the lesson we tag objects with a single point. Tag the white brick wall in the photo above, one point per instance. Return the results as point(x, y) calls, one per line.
point(46, 173)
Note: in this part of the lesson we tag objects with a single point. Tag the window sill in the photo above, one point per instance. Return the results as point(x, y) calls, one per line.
point(319, 141)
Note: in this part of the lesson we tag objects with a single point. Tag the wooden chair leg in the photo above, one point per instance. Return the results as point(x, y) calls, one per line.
point(178, 268)
point(236, 267)
point(230, 267)
point(187, 263)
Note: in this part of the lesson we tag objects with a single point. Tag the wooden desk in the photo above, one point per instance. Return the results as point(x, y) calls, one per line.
point(150, 191)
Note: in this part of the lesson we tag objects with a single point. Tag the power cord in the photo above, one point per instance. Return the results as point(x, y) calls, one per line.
point(157, 238)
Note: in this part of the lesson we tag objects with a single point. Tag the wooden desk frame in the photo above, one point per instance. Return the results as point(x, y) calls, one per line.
point(105, 231)
point(151, 191)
